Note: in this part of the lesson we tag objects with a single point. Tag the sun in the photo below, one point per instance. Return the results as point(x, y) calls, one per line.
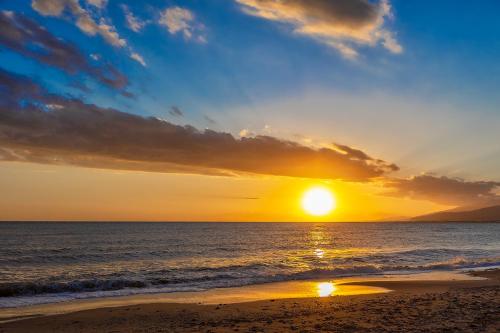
point(318, 201)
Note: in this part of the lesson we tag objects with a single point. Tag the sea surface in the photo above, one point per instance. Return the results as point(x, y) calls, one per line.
point(52, 262)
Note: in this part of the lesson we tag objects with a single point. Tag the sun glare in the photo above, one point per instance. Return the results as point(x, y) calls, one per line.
point(318, 201)
point(326, 289)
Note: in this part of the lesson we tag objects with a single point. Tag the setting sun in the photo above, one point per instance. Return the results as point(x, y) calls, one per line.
point(318, 201)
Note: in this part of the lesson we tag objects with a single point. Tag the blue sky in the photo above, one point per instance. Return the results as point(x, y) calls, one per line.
point(410, 82)
point(450, 51)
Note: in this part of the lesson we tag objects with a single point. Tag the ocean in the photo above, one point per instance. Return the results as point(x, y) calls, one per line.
point(52, 262)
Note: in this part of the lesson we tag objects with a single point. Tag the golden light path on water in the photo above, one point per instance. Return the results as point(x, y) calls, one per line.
point(319, 253)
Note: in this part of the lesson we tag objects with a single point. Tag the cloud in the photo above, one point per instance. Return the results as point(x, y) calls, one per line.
point(85, 21)
point(175, 111)
point(341, 24)
point(134, 23)
point(107, 31)
point(183, 21)
point(357, 154)
point(137, 57)
point(209, 120)
point(85, 134)
point(48, 7)
point(176, 20)
point(98, 3)
point(245, 133)
point(447, 191)
point(19, 34)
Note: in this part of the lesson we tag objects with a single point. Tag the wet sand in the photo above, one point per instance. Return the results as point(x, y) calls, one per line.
point(423, 305)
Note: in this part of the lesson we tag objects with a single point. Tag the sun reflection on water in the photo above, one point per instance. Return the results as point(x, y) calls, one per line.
point(326, 289)
point(319, 253)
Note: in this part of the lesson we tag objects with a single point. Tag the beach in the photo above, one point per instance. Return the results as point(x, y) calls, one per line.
point(249, 166)
point(411, 305)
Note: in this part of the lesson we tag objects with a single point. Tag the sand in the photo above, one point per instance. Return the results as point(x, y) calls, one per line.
point(424, 305)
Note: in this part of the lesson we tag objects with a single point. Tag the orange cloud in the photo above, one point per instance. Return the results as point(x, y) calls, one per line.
point(447, 191)
point(37, 126)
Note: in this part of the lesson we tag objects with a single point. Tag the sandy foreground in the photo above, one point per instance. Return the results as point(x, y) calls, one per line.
point(424, 305)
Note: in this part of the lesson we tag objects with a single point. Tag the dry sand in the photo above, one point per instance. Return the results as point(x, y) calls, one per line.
point(414, 306)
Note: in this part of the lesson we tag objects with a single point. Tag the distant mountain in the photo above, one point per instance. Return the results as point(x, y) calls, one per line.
point(487, 214)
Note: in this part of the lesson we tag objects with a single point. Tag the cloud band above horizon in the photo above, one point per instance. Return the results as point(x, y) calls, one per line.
point(447, 191)
point(38, 126)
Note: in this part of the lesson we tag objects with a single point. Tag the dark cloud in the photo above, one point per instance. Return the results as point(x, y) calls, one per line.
point(341, 24)
point(351, 13)
point(80, 86)
point(361, 156)
point(26, 37)
point(128, 94)
point(41, 127)
point(447, 191)
point(175, 111)
point(351, 151)
point(209, 120)
point(85, 19)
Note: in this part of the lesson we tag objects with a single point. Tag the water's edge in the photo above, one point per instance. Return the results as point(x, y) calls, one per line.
point(346, 286)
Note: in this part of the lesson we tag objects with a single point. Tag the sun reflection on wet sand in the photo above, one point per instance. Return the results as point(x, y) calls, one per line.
point(266, 291)
point(326, 289)
point(276, 290)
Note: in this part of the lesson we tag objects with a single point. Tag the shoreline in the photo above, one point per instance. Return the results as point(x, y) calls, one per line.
point(242, 299)
point(302, 288)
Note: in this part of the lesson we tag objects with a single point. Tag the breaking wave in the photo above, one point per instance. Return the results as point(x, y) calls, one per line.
point(53, 262)
point(232, 278)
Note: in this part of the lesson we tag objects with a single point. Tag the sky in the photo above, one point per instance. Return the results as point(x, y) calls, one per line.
point(229, 110)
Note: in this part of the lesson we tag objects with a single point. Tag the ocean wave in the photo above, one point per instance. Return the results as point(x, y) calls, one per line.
point(431, 252)
point(456, 263)
point(31, 288)
point(229, 277)
point(461, 262)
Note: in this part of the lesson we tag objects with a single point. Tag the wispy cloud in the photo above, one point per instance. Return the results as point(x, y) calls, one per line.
point(179, 20)
point(341, 24)
point(85, 134)
point(98, 3)
point(175, 111)
point(133, 22)
point(20, 33)
point(85, 21)
point(137, 57)
point(209, 119)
